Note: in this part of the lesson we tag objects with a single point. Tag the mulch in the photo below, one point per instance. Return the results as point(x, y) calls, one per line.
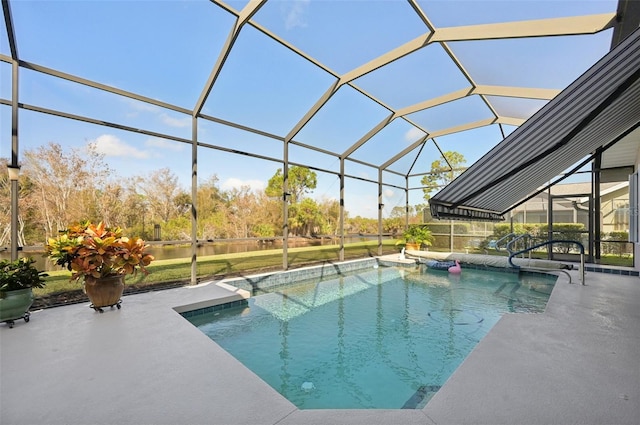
point(78, 296)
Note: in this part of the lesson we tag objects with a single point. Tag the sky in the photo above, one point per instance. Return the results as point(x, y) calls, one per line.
point(166, 50)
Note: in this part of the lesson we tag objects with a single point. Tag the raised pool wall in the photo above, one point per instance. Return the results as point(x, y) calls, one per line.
point(501, 263)
point(254, 283)
point(246, 286)
point(269, 280)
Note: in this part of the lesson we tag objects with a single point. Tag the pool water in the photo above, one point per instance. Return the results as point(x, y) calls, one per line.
point(385, 338)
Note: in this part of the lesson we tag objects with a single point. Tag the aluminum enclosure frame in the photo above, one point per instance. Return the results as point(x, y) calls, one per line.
point(508, 30)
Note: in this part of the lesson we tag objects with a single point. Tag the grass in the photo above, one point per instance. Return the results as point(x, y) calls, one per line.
point(616, 260)
point(178, 271)
point(605, 259)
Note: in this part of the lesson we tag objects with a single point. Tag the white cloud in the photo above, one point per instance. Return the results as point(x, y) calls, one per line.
point(294, 14)
point(175, 122)
point(110, 145)
point(142, 106)
point(135, 108)
point(233, 183)
point(364, 175)
point(388, 193)
point(164, 144)
point(413, 134)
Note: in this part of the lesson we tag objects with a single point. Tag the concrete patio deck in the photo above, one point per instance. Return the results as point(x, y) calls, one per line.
point(577, 363)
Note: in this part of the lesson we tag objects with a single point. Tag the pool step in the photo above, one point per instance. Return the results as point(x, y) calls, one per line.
point(421, 397)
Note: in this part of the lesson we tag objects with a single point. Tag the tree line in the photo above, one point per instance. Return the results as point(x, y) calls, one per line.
point(59, 186)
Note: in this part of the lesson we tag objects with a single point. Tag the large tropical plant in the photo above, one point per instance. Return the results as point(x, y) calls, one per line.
point(97, 251)
point(418, 234)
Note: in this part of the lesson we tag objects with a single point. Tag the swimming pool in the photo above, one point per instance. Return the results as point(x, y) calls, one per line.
point(382, 338)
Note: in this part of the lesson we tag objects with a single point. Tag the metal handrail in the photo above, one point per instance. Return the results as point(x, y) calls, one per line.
point(496, 244)
point(550, 243)
point(514, 240)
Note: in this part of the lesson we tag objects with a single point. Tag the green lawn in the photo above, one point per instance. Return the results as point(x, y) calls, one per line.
point(605, 259)
point(168, 273)
point(178, 271)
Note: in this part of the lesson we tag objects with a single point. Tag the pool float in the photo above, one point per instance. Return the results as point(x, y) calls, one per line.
point(455, 269)
point(450, 266)
point(439, 265)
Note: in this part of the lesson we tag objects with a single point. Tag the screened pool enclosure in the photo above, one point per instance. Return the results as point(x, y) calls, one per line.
point(202, 121)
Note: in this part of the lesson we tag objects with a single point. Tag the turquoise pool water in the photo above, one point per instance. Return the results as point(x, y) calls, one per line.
point(382, 338)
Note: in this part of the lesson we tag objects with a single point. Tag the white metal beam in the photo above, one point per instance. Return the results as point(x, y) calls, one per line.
point(510, 121)
point(522, 92)
point(249, 10)
point(449, 97)
point(574, 25)
point(463, 127)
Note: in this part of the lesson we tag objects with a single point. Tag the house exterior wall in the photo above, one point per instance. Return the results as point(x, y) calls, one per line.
point(636, 217)
point(613, 216)
point(615, 211)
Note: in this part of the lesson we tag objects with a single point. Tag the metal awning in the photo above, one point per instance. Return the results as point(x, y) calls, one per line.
point(595, 112)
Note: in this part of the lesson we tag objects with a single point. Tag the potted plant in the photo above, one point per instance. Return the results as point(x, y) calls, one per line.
point(416, 236)
point(100, 257)
point(17, 278)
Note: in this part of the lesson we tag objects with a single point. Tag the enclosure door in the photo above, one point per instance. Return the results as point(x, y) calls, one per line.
point(571, 219)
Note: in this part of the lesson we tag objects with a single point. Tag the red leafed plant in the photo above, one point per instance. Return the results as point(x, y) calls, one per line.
point(95, 250)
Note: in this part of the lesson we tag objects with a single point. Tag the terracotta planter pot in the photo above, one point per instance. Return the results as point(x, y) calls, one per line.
point(104, 292)
point(412, 246)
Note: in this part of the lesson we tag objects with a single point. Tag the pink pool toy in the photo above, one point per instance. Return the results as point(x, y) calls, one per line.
point(455, 269)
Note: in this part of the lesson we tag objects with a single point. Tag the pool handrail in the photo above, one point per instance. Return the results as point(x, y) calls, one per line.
point(516, 239)
point(551, 242)
point(496, 244)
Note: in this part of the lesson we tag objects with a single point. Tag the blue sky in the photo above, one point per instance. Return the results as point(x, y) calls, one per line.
point(166, 49)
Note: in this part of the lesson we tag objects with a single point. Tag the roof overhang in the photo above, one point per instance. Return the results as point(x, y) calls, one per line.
point(592, 114)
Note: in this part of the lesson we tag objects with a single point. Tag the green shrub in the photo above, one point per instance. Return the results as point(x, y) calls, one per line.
point(20, 274)
point(565, 231)
point(616, 243)
point(445, 228)
point(418, 233)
